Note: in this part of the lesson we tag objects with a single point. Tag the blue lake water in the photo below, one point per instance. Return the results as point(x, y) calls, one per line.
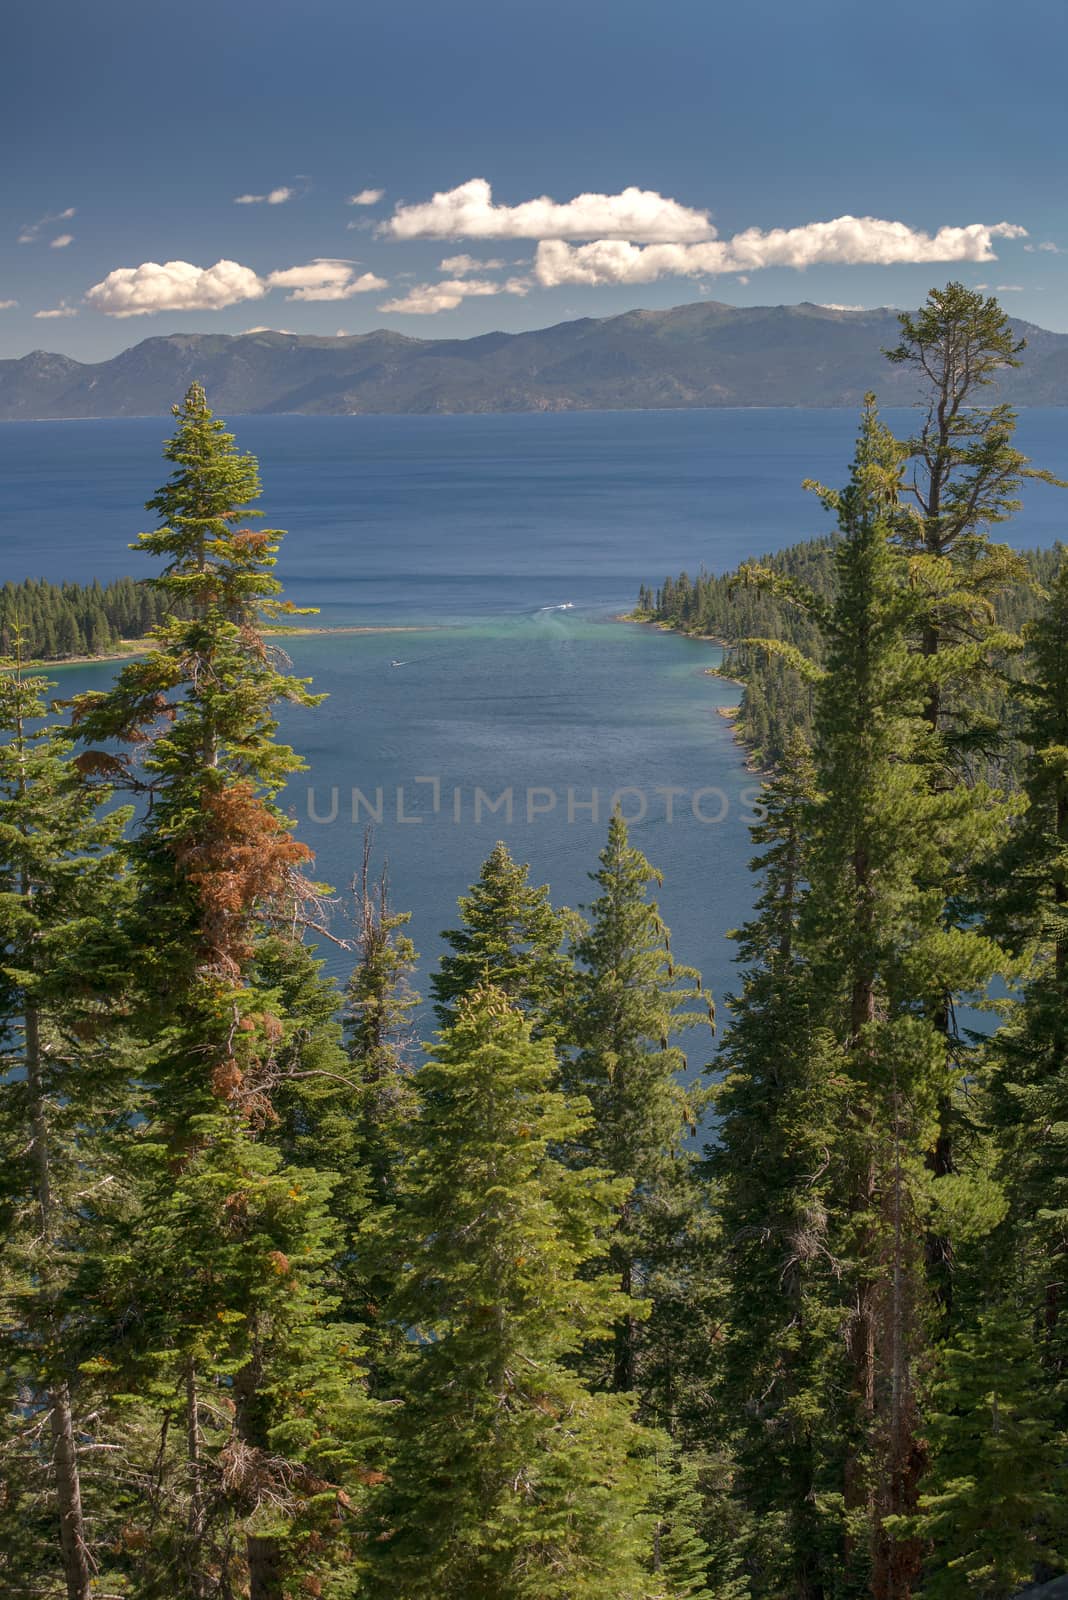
point(469, 529)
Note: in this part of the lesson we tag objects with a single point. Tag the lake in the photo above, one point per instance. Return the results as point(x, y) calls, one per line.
point(507, 544)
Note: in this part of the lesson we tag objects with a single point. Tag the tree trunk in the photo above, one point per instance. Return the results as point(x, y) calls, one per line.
point(69, 1497)
point(264, 1552)
point(266, 1579)
point(196, 1518)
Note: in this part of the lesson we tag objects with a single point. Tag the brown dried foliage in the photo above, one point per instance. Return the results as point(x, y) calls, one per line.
point(242, 859)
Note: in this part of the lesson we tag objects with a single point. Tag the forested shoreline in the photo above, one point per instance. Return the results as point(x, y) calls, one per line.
point(577, 1302)
point(776, 700)
point(67, 621)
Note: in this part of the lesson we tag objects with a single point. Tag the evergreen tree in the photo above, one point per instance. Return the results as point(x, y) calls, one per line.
point(508, 1476)
point(631, 998)
point(884, 941)
point(779, 1108)
point(378, 1032)
point(247, 1236)
point(511, 938)
point(968, 470)
point(62, 1095)
point(993, 1507)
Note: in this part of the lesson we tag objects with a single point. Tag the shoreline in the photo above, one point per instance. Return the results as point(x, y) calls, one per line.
point(130, 649)
point(728, 713)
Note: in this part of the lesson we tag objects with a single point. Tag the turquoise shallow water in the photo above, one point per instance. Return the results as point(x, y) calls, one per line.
point(474, 527)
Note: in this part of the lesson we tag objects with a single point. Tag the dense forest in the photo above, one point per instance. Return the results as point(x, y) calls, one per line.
point(545, 1311)
point(59, 620)
point(744, 611)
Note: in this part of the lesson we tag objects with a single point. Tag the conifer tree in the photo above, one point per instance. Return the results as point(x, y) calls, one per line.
point(965, 481)
point(378, 1007)
point(61, 1096)
point(779, 1108)
point(885, 941)
point(885, 847)
point(508, 1476)
point(511, 937)
point(250, 1234)
point(993, 1506)
point(631, 999)
point(1027, 899)
point(967, 474)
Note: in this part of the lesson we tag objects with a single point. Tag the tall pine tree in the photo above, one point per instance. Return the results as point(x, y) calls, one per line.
point(242, 1339)
point(508, 1476)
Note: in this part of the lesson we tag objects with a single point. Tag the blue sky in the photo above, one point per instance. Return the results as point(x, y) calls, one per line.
point(132, 129)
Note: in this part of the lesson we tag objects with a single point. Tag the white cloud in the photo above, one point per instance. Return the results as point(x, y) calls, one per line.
point(468, 212)
point(426, 299)
point(62, 310)
point(31, 232)
point(61, 241)
point(274, 197)
point(846, 240)
point(366, 197)
point(269, 330)
point(1047, 245)
point(174, 286)
point(460, 266)
point(325, 279)
point(832, 305)
point(6, 305)
point(1009, 288)
point(323, 270)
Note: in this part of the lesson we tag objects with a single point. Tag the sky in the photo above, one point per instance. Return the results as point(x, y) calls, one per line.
point(444, 170)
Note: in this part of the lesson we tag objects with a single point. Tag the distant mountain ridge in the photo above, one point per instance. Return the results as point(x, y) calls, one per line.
point(707, 354)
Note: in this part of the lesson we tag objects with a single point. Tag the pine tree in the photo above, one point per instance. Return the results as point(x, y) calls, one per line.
point(512, 938)
point(378, 1007)
point(247, 1235)
point(508, 1476)
point(779, 1107)
point(885, 941)
point(61, 1095)
point(631, 999)
point(993, 1507)
point(967, 475)
point(1027, 905)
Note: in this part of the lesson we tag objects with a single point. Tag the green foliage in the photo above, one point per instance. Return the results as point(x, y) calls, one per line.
point(245, 1232)
point(64, 1110)
point(508, 1475)
point(993, 1506)
point(631, 999)
point(511, 938)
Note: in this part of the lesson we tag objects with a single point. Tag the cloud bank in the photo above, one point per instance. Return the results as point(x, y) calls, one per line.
point(325, 279)
point(468, 212)
point(181, 286)
point(426, 299)
point(850, 241)
point(174, 286)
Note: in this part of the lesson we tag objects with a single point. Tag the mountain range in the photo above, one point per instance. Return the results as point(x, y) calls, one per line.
point(707, 354)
